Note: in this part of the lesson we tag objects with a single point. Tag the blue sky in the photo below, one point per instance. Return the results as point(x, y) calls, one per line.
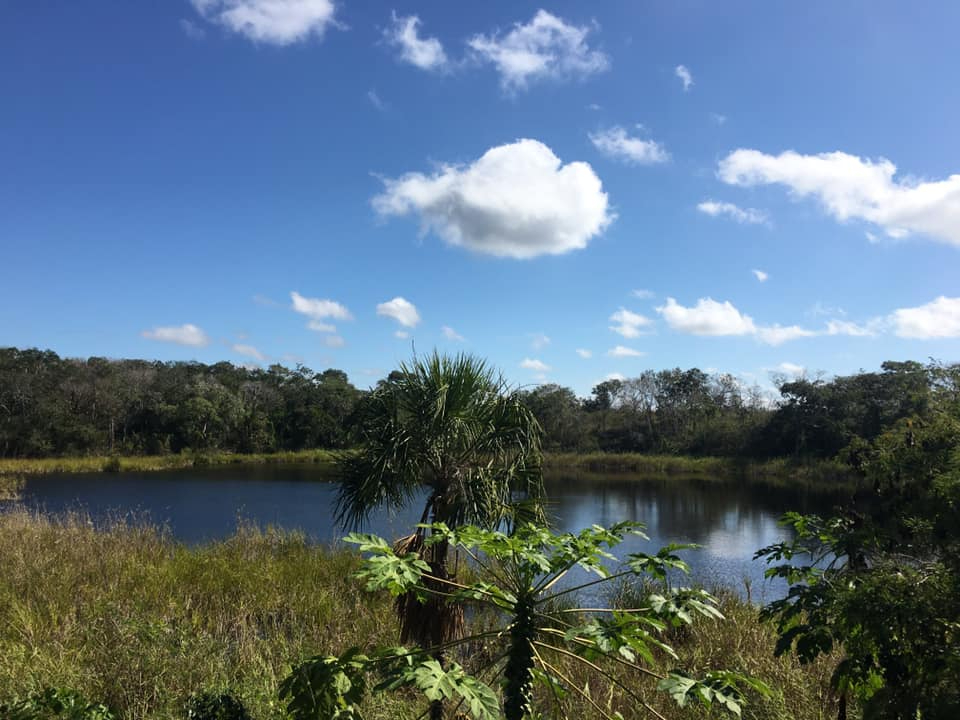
point(571, 190)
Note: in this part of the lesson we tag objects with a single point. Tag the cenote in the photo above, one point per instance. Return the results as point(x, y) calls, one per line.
point(730, 518)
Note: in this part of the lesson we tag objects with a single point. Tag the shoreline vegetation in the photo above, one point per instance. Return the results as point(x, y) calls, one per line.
point(781, 472)
point(131, 618)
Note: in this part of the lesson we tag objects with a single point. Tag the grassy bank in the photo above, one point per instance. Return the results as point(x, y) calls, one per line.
point(145, 463)
point(780, 471)
point(133, 619)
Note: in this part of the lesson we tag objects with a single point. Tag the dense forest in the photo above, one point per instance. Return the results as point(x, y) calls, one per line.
point(52, 406)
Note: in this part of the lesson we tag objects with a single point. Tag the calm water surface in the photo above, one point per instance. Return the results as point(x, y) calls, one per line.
point(730, 519)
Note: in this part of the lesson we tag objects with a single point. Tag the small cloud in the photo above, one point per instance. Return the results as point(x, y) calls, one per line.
point(318, 310)
point(939, 318)
point(615, 376)
point(186, 334)
point(760, 275)
point(643, 294)
point(585, 354)
point(707, 317)
point(616, 143)
point(628, 323)
point(375, 100)
point(321, 327)
point(748, 216)
point(545, 48)
point(265, 301)
point(424, 53)
point(718, 118)
point(192, 30)
point(401, 334)
point(871, 238)
point(334, 341)
point(683, 73)
point(248, 351)
point(777, 334)
point(621, 351)
point(594, 107)
point(535, 365)
point(538, 341)
point(792, 369)
point(852, 329)
point(450, 334)
point(401, 310)
point(275, 22)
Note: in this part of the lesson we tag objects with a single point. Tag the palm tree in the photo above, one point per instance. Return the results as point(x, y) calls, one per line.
point(450, 425)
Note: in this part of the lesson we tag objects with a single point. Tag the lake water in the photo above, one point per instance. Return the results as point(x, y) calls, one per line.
point(730, 519)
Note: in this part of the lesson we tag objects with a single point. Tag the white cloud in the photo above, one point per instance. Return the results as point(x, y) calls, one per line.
point(594, 107)
point(622, 351)
point(545, 47)
point(585, 354)
point(539, 341)
point(248, 351)
point(683, 73)
point(628, 323)
point(265, 301)
point(939, 318)
point(643, 294)
point(535, 365)
point(375, 100)
point(849, 187)
point(778, 334)
point(186, 334)
point(318, 310)
point(450, 334)
point(192, 30)
point(517, 200)
point(760, 275)
point(425, 53)
point(615, 376)
point(334, 341)
point(402, 334)
point(789, 368)
point(401, 310)
point(707, 317)
point(845, 327)
point(718, 118)
point(616, 143)
point(748, 216)
point(277, 22)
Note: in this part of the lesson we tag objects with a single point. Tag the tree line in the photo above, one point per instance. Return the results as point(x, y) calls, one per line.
point(52, 406)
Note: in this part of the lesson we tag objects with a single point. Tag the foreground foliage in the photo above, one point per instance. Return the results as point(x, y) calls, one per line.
point(139, 623)
point(521, 579)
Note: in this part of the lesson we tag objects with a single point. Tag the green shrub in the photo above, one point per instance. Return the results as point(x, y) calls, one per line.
point(55, 704)
point(211, 706)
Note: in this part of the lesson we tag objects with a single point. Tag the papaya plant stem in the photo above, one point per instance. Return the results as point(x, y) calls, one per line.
point(607, 675)
point(583, 643)
point(585, 585)
point(576, 689)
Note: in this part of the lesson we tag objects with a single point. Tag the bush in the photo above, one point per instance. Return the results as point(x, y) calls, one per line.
point(55, 704)
point(211, 706)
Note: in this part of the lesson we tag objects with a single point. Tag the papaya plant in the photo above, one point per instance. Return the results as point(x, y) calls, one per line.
point(526, 580)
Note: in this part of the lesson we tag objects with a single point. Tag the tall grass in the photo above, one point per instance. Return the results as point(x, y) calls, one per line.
point(145, 463)
point(131, 618)
point(10, 486)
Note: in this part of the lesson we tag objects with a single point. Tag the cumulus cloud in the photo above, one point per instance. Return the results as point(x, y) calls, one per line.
point(401, 310)
point(318, 311)
point(622, 351)
point(450, 334)
point(712, 318)
point(546, 47)
point(248, 351)
point(939, 318)
point(845, 327)
point(518, 200)
point(277, 22)
point(616, 143)
point(760, 275)
point(585, 354)
point(535, 365)
point(628, 323)
point(186, 334)
point(744, 216)
point(425, 53)
point(686, 78)
point(852, 188)
point(707, 317)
